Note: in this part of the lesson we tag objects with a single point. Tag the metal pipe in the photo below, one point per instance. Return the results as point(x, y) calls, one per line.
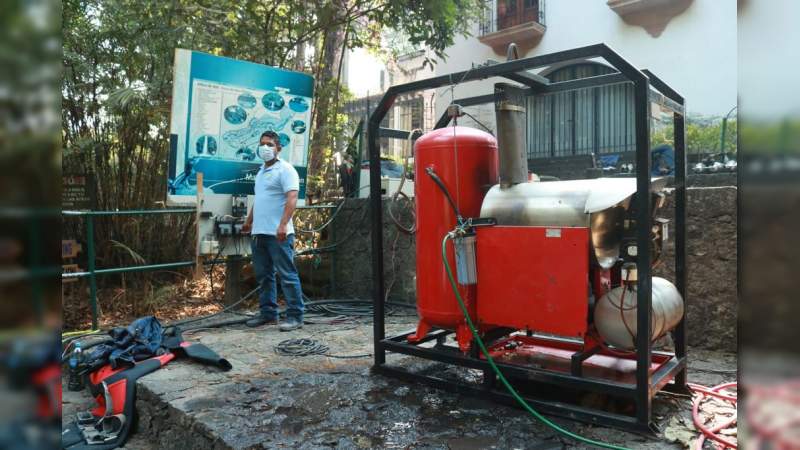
point(509, 108)
point(90, 255)
point(144, 212)
point(130, 212)
point(644, 283)
point(724, 131)
point(146, 268)
point(376, 223)
point(679, 335)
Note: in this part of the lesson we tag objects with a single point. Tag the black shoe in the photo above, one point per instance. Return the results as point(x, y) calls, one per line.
point(291, 324)
point(260, 320)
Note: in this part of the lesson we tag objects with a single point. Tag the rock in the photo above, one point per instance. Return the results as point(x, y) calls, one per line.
point(402, 391)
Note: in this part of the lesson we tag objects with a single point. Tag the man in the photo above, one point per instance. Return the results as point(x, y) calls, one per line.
point(270, 224)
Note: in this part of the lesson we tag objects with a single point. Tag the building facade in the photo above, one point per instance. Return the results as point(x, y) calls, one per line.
point(411, 111)
point(689, 43)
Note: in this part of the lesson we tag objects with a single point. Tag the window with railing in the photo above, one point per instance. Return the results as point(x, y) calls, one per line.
point(503, 14)
point(581, 122)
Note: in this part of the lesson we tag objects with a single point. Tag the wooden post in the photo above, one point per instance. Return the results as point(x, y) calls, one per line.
point(233, 272)
point(198, 261)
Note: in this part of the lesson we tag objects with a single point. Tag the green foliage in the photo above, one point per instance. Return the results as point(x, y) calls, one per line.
point(117, 57)
point(771, 138)
point(702, 135)
point(117, 83)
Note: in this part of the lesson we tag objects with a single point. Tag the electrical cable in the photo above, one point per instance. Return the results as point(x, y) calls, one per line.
point(351, 308)
point(496, 369)
point(456, 161)
point(223, 310)
point(307, 347)
point(453, 85)
point(477, 121)
point(324, 225)
point(431, 173)
point(390, 285)
point(69, 334)
point(413, 228)
point(237, 180)
point(211, 273)
point(353, 231)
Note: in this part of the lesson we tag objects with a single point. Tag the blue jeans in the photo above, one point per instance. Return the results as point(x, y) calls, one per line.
point(269, 256)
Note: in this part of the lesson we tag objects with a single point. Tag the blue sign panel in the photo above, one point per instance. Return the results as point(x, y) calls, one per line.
point(220, 108)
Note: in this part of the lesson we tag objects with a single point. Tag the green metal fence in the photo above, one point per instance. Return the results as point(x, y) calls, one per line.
point(92, 272)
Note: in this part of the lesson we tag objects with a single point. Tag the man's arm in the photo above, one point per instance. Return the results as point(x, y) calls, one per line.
point(288, 210)
point(248, 222)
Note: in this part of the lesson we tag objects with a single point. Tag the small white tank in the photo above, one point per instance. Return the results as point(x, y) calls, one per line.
point(615, 313)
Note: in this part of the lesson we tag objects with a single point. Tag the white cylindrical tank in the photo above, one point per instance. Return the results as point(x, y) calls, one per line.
point(615, 313)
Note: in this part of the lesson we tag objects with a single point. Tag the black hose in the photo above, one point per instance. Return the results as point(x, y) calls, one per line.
point(350, 308)
point(308, 347)
point(413, 228)
point(431, 173)
point(331, 247)
point(326, 224)
point(225, 309)
point(222, 323)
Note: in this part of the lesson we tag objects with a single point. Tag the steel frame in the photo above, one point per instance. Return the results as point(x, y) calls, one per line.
point(672, 374)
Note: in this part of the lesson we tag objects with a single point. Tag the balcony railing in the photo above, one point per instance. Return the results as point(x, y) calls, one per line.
point(503, 14)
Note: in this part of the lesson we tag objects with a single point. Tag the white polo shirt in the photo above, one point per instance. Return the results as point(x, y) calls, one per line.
point(272, 184)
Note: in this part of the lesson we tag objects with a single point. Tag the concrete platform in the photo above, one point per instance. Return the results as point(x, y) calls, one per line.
point(314, 402)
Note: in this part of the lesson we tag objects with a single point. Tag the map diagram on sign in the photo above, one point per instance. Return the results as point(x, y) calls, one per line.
point(228, 121)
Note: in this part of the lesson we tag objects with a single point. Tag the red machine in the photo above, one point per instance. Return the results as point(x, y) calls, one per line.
point(559, 258)
point(555, 270)
point(555, 276)
point(465, 161)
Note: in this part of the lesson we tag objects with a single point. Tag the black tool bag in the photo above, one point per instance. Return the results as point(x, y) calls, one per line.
point(114, 383)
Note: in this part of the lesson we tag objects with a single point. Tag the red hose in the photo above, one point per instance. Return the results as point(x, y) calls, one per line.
point(776, 431)
point(712, 433)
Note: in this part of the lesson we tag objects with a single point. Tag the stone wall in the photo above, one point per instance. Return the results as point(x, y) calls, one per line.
point(353, 259)
point(711, 303)
point(711, 260)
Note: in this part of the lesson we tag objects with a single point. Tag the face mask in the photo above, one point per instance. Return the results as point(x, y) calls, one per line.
point(266, 152)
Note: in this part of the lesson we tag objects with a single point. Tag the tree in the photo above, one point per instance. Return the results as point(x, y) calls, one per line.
point(118, 54)
point(117, 83)
point(702, 135)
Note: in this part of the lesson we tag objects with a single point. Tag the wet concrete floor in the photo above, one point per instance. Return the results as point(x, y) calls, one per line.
point(316, 402)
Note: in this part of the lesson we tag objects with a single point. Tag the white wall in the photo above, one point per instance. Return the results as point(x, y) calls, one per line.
point(768, 59)
point(696, 54)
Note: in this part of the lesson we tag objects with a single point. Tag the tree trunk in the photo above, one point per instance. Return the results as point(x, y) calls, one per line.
point(300, 57)
point(321, 145)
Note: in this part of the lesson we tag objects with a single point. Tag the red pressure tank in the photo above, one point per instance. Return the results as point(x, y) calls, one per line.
point(466, 161)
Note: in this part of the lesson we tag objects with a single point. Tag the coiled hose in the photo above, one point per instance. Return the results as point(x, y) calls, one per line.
point(307, 347)
point(714, 432)
point(496, 369)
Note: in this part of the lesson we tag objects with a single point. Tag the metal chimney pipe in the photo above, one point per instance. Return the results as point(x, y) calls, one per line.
point(509, 108)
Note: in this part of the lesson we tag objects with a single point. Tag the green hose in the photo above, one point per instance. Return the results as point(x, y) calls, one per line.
point(496, 369)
